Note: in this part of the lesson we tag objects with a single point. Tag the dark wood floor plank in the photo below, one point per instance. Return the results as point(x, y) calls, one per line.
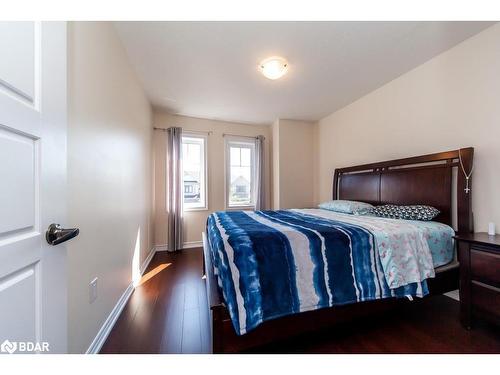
point(168, 313)
point(206, 345)
point(191, 332)
point(174, 320)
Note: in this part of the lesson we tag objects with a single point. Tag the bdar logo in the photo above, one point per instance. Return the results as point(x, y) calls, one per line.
point(8, 347)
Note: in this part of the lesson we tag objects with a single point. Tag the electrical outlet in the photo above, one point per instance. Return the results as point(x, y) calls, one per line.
point(93, 290)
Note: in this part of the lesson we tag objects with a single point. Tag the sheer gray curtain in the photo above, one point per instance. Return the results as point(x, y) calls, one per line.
point(174, 188)
point(260, 193)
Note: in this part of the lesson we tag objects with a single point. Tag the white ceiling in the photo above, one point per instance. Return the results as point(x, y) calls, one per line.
point(209, 69)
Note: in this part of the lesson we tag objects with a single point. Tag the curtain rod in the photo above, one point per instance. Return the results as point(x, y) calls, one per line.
point(210, 132)
point(187, 130)
point(241, 136)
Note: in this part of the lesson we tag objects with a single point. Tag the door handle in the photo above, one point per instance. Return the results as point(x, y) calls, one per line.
point(56, 235)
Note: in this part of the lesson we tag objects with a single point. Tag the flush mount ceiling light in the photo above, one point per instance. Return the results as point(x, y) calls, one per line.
point(274, 67)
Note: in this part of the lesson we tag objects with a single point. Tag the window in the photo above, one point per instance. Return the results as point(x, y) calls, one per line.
point(240, 172)
point(194, 165)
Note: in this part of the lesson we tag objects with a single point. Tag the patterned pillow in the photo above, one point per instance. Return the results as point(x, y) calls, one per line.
point(417, 212)
point(347, 207)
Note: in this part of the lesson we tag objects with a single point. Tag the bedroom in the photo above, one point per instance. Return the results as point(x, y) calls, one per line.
point(250, 186)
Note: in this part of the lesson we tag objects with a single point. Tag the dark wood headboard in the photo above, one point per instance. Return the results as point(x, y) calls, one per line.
point(425, 179)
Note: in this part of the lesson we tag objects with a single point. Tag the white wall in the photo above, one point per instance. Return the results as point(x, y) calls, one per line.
point(109, 175)
point(275, 166)
point(449, 102)
point(195, 221)
point(293, 163)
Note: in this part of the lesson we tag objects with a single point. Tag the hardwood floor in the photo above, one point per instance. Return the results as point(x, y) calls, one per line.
point(167, 313)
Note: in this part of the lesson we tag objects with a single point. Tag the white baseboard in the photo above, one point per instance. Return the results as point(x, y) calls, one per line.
point(190, 245)
point(185, 245)
point(146, 262)
point(110, 321)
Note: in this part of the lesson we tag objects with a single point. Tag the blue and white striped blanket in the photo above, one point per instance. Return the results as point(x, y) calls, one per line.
point(275, 263)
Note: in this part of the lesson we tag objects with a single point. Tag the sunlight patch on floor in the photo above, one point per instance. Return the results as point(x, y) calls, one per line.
point(155, 271)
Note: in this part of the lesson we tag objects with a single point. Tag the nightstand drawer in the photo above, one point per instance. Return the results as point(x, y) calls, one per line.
point(485, 297)
point(479, 257)
point(485, 266)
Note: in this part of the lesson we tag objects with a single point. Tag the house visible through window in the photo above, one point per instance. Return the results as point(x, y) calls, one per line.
point(194, 171)
point(240, 172)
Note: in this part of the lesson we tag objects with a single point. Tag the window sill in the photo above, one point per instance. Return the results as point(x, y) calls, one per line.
point(194, 209)
point(239, 208)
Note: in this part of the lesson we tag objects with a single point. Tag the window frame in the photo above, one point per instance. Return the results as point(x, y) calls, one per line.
point(203, 185)
point(248, 142)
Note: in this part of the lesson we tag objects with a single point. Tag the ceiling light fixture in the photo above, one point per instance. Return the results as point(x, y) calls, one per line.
point(274, 67)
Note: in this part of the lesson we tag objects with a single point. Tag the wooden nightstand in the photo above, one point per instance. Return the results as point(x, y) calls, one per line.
point(479, 257)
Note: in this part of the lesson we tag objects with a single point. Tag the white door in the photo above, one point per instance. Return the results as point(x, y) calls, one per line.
point(33, 306)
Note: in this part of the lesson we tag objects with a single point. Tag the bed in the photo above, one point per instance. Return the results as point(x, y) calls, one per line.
point(274, 274)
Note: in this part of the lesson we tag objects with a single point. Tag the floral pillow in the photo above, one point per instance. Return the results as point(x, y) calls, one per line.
point(347, 207)
point(415, 212)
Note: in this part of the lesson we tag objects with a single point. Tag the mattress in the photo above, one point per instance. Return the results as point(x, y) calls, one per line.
point(440, 241)
point(274, 263)
point(439, 236)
